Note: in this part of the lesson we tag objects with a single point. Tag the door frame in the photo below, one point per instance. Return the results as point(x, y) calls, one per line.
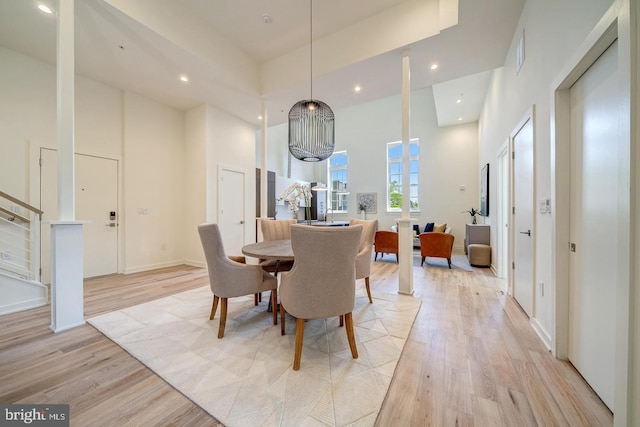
point(221, 168)
point(34, 190)
point(613, 25)
point(504, 201)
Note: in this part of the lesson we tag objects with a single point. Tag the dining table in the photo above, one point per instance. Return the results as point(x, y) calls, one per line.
point(278, 250)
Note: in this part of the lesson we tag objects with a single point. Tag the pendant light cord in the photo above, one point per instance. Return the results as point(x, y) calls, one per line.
point(311, 44)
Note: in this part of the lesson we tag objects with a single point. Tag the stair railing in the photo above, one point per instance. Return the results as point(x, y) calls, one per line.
point(19, 238)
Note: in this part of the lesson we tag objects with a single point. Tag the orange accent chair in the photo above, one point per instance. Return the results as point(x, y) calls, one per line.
point(386, 242)
point(436, 244)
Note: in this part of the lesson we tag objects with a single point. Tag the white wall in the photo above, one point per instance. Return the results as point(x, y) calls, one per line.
point(230, 143)
point(154, 180)
point(553, 30)
point(448, 159)
point(27, 118)
point(195, 211)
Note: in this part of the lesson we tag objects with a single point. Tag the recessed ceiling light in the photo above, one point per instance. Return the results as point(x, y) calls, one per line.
point(44, 8)
point(458, 101)
point(184, 78)
point(459, 119)
point(357, 88)
point(259, 117)
point(434, 66)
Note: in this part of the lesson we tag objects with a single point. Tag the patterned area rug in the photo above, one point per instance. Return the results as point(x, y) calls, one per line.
point(246, 378)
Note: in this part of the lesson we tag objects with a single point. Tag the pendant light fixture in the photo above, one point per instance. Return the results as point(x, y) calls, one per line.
point(311, 122)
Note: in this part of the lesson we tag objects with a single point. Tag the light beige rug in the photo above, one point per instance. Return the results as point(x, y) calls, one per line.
point(246, 378)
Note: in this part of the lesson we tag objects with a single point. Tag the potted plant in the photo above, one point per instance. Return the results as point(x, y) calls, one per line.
point(473, 212)
point(363, 210)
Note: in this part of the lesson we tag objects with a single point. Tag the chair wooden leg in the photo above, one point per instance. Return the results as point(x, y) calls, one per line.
point(366, 282)
point(259, 296)
point(223, 318)
point(422, 262)
point(282, 313)
point(214, 307)
point(299, 341)
point(350, 335)
point(274, 305)
point(449, 260)
point(375, 258)
point(255, 299)
point(397, 259)
point(341, 320)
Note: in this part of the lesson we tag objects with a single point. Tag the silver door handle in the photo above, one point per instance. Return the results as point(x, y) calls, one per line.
point(528, 232)
point(113, 224)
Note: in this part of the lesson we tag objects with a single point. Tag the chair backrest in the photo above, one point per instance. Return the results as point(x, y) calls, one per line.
point(322, 281)
point(386, 241)
point(369, 227)
point(276, 229)
point(227, 278)
point(436, 244)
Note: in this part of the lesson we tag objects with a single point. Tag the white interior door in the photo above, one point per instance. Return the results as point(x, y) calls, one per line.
point(96, 195)
point(231, 210)
point(593, 278)
point(523, 233)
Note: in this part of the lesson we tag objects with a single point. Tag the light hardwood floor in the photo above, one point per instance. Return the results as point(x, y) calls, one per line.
point(471, 359)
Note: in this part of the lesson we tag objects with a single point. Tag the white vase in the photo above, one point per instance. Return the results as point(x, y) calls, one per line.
point(363, 214)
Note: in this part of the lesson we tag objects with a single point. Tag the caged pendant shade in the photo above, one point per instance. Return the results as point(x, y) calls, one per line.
point(311, 122)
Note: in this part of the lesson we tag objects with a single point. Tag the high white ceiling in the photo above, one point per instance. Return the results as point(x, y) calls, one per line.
point(236, 61)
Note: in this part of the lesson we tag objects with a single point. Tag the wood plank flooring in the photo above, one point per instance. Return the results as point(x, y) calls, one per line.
point(471, 359)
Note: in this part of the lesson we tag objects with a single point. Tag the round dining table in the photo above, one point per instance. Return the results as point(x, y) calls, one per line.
point(273, 249)
point(278, 250)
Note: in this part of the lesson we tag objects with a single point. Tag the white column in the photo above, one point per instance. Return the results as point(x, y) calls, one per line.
point(405, 232)
point(264, 176)
point(67, 305)
point(66, 235)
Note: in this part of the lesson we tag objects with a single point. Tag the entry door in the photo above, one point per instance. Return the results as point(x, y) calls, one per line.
point(231, 210)
point(523, 285)
point(595, 102)
point(96, 195)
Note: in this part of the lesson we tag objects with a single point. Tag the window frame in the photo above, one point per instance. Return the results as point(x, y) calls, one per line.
point(398, 160)
point(330, 190)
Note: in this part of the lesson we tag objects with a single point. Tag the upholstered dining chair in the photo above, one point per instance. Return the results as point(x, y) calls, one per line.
point(229, 278)
point(321, 283)
point(276, 229)
point(363, 259)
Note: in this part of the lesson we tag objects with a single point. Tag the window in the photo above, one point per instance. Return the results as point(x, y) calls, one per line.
point(394, 175)
point(337, 173)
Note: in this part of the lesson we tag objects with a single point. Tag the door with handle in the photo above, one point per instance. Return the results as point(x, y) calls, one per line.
point(523, 287)
point(231, 209)
point(96, 200)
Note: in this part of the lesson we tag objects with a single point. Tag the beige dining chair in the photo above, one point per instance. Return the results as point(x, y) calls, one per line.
point(228, 278)
point(363, 259)
point(321, 283)
point(276, 229)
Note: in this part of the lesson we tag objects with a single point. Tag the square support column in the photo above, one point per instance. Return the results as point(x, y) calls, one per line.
point(67, 293)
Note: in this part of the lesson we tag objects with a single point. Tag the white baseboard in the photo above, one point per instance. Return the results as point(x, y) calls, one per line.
point(24, 305)
point(200, 264)
point(148, 267)
point(544, 336)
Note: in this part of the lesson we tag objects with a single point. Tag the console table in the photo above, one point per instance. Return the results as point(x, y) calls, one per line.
point(477, 234)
